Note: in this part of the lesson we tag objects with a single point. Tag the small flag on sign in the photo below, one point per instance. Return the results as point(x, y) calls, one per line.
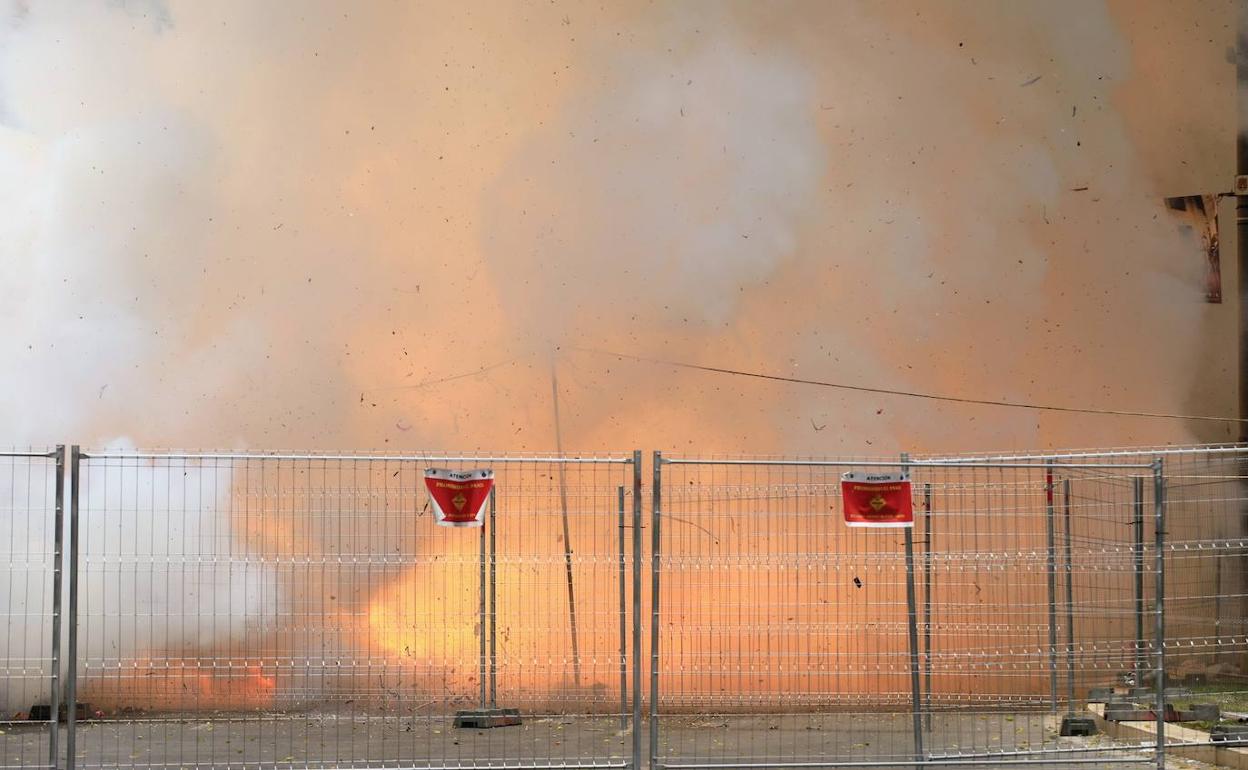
point(877, 499)
point(458, 496)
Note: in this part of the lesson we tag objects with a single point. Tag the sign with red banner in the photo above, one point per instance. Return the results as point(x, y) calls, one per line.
point(877, 499)
point(459, 496)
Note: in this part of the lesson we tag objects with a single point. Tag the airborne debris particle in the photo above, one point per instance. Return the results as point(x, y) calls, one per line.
point(1030, 82)
point(857, 582)
point(1078, 189)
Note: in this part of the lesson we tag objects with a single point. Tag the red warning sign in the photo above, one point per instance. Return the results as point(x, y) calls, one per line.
point(459, 497)
point(877, 499)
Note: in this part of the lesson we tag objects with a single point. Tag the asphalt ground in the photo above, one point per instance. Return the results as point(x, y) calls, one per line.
point(346, 739)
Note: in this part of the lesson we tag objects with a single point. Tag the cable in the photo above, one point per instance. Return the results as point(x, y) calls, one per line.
point(910, 394)
point(440, 380)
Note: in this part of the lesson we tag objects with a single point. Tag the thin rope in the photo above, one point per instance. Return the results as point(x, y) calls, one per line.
point(910, 393)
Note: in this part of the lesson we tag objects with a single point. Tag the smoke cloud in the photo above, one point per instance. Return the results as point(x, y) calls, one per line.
point(264, 226)
point(318, 225)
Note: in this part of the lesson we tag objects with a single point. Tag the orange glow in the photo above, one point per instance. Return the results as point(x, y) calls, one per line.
point(184, 684)
point(407, 621)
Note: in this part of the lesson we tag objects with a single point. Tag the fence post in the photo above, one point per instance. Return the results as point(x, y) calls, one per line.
point(927, 603)
point(623, 615)
point(916, 695)
point(482, 674)
point(1052, 583)
point(493, 524)
point(71, 673)
point(58, 570)
point(1070, 603)
point(636, 761)
point(655, 549)
point(1159, 611)
point(1137, 494)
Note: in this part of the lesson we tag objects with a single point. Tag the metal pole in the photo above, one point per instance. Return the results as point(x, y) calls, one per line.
point(623, 618)
point(1241, 223)
point(1241, 206)
point(58, 570)
point(567, 535)
point(636, 760)
point(1070, 603)
point(927, 604)
point(71, 677)
point(481, 623)
point(1138, 526)
point(493, 601)
point(1217, 609)
point(916, 694)
point(1052, 580)
point(1159, 611)
point(654, 610)
point(916, 697)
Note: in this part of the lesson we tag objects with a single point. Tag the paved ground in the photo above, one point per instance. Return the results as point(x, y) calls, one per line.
point(281, 741)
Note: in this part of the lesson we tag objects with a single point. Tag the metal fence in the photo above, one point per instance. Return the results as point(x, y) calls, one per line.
point(31, 495)
point(1200, 617)
point(286, 611)
point(780, 637)
point(303, 611)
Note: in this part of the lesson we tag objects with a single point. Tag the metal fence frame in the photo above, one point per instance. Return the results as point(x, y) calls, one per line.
point(1153, 468)
point(1159, 464)
point(57, 568)
point(631, 710)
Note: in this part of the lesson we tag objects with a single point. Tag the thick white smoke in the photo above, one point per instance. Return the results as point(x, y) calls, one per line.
point(669, 190)
point(161, 570)
point(252, 225)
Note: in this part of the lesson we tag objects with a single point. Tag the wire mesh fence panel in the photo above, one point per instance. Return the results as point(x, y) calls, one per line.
point(785, 637)
point(31, 484)
point(1030, 609)
point(1204, 542)
point(1206, 588)
point(302, 611)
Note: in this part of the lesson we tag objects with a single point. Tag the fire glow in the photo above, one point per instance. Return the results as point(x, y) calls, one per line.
point(669, 199)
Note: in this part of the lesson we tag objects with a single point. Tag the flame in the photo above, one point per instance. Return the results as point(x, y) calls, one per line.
point(185, 684)
point(261, 684)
